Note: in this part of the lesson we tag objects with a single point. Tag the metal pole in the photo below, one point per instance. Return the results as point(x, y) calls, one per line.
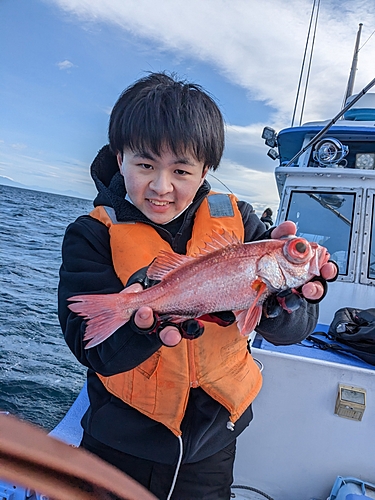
point(349, 89)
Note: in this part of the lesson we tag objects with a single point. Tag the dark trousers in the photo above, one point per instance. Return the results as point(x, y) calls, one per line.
point(209, 479)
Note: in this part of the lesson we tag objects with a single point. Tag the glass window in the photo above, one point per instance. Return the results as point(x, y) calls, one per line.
point(326, 218)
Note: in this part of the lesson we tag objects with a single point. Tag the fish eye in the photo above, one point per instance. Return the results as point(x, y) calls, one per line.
point(301, 247)
point(297, 250)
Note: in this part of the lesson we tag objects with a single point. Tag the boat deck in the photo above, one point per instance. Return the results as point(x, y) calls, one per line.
point(307, 349)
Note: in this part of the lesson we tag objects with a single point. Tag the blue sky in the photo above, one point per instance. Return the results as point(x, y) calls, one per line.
point(64, 63)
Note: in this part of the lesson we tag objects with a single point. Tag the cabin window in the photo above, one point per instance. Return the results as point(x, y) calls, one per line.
point(326, 218)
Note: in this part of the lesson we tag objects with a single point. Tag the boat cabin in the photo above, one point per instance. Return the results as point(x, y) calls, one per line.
point(305, 433)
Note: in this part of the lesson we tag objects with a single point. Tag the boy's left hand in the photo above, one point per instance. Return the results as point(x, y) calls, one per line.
point(144, 319)
point(313, 290)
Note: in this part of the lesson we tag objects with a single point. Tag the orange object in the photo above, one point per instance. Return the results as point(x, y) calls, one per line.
point(32, 459)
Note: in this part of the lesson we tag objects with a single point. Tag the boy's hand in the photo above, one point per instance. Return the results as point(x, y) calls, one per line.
point(144, 319)
point(313, 290)
point(287, 228)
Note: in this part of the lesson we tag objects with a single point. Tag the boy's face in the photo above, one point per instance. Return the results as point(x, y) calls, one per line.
point(161, 187)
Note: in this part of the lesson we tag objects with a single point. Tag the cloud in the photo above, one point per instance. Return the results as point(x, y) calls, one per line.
point(247, 184)
point(244, 146)
point(65, 65)
point(18, 146)
point(45, 170)
point(258, 45)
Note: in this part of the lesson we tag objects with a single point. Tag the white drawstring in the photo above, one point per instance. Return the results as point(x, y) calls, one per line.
point(177, 469)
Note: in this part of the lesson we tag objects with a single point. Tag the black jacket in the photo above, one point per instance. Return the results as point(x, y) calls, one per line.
point(267, 221)
point(87, 268)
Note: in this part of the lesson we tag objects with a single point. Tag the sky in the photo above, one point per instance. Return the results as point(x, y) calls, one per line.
point(64, 63)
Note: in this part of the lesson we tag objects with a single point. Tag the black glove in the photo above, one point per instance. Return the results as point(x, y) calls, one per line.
point(221, 318)
point(141, 277)
point(190, 329)
point(289, 300)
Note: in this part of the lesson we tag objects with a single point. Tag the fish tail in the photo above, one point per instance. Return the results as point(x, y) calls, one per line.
point(104, 315)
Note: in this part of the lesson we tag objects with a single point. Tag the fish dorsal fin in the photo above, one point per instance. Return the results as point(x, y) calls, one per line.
point(218, 241)
point(165, 263)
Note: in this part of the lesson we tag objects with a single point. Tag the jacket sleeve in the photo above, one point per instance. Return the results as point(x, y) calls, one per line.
point(286, 328)
point(87, 269)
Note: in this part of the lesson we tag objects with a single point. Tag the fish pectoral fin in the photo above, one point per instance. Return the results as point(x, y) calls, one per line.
point(248, 319)
point(165, 263)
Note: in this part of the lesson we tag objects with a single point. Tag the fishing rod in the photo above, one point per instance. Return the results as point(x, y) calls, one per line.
point(329, 207)
point(316, 138)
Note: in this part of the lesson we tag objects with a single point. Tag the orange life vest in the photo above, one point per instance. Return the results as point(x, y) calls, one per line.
point(218, 361)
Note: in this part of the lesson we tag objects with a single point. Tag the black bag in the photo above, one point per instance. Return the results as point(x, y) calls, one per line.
point(351, 331)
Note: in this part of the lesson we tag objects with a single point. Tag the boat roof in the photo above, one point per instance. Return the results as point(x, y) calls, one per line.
point(290, 140)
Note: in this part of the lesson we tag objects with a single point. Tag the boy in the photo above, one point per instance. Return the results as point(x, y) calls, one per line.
point(156, 411)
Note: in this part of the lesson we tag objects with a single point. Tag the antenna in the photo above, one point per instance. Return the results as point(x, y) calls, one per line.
point(350, 86)
point(304, 59)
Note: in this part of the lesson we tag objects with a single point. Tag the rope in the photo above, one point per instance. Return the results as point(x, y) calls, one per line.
point(250, 488)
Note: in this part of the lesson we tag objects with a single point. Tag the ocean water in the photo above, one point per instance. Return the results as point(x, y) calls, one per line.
point(39, 376)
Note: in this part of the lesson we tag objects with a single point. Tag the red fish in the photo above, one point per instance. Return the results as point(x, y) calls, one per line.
point(227, 275)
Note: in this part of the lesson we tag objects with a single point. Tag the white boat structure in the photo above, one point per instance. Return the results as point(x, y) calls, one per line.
point(313, 433)
point(314, 417)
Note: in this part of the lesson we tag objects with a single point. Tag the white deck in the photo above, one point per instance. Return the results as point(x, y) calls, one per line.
point(296, 445)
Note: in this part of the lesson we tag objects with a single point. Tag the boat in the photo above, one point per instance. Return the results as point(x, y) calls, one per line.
point(312, 437)
point(313, 419)
point(300, 440)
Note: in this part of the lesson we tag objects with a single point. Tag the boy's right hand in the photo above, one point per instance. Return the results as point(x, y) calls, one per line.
point(144, 319)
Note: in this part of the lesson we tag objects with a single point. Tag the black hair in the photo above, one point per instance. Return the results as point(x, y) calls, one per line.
point(158, 110)
point(268, 212)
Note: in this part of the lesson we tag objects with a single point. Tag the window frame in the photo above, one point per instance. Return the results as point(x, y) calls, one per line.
point(285, 203)
point(368, 235)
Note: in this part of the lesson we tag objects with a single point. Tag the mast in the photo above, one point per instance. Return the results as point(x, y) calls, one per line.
point(350, 86)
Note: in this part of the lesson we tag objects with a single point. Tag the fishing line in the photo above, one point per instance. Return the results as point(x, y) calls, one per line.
point(366, 41)
point(221, 182)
